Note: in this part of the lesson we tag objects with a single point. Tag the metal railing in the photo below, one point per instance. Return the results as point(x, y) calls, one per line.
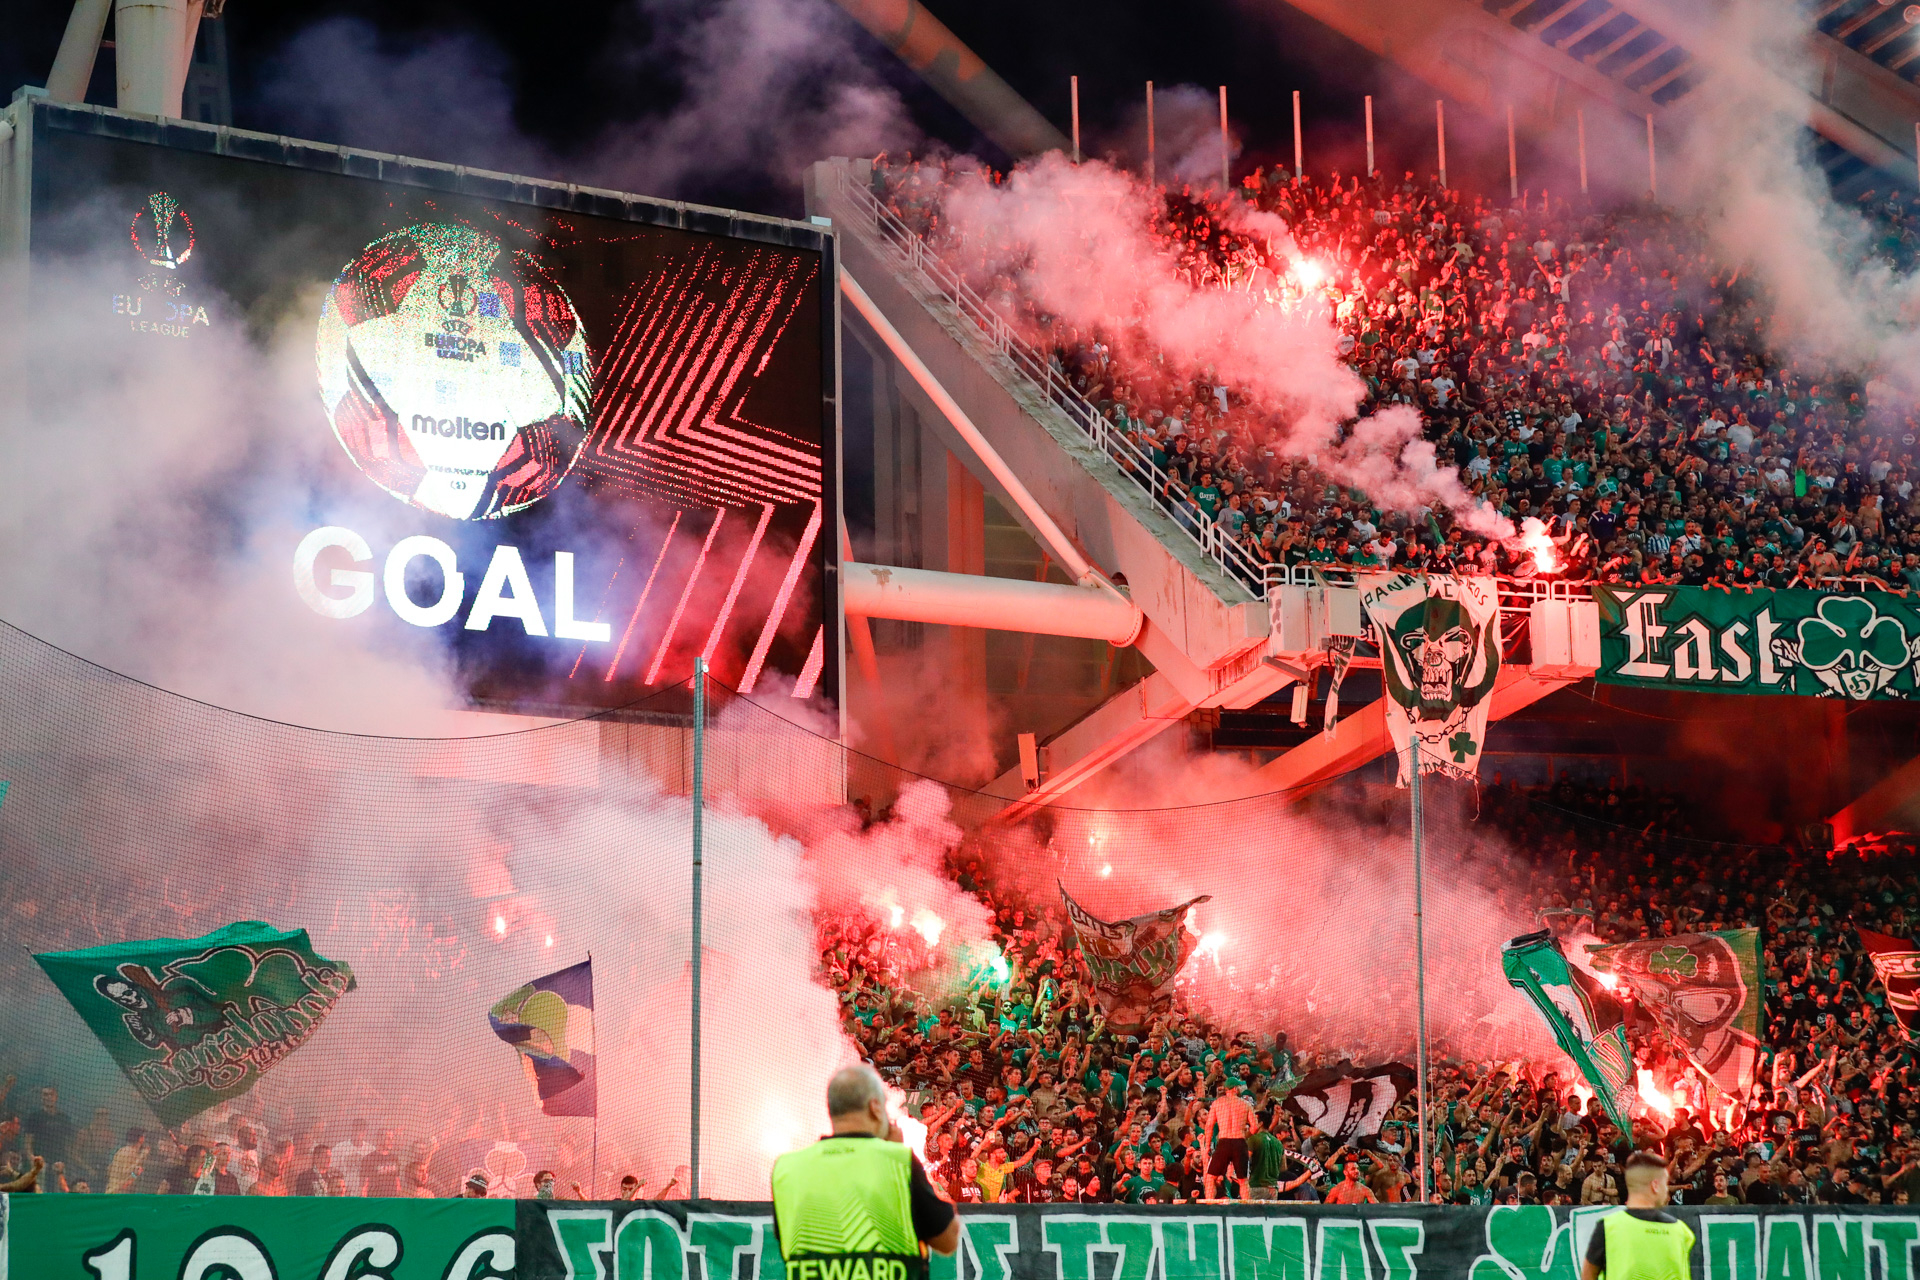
point(1524, 591)
point(899, 242)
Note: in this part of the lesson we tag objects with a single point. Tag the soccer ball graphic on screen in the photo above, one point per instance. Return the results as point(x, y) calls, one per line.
point(454, 372)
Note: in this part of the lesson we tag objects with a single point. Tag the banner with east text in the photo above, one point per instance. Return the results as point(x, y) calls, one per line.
point(1439, 641)
point(1812, 643)
point(1132, 962)
point(195, 1021)
point(221, 1237)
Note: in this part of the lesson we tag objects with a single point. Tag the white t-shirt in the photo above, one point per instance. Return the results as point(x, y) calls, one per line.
point(347, 1157)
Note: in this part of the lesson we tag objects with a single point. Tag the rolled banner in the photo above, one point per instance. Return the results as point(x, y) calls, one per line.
point(1586, 1020)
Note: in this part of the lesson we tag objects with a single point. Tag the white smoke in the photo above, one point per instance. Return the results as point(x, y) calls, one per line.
point(1077, 240)
point(1746, 170)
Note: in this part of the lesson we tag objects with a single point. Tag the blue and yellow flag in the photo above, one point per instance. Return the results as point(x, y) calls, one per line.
point(550, 1021)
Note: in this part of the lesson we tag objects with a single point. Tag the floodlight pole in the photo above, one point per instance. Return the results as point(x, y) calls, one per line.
point(1150, 177)
point(79, 47)
point(1073, 90)
point(1300, 169)
point(1369, 110)
point(699, 754)
point(1420, 960)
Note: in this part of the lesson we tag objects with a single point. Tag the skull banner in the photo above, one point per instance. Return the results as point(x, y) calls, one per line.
point(1704, 990)
point(1439, 640)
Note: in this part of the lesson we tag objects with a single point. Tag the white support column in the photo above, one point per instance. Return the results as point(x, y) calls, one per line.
point(1050, 533)
point(73, 65)
point(150, 67)
point(994, 604)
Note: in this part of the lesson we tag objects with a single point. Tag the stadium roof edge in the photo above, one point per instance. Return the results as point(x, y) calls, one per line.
point(300, 153)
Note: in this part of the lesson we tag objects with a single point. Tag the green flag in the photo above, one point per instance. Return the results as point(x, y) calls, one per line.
point(1585, 1018)
point(195, 1021)
point(1704, 989)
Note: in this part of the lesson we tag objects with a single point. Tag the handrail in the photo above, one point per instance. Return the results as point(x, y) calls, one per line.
point(1517, 595)
point(911, 252)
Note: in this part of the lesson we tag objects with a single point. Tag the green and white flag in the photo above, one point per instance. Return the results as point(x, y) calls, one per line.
point(1704, 990)
point(1584, 1017)
point(194, 1021)
point(1439, 641)
point(1812, 643)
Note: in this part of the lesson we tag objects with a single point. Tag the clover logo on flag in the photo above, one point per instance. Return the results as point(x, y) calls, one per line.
point(1673, 962)
point(1852, 647)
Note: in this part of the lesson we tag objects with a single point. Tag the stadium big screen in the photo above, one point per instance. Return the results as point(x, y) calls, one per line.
point(604, 425)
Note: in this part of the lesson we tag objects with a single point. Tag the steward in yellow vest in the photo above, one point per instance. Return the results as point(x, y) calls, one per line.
point(856, 1205)
point(1640, 1241)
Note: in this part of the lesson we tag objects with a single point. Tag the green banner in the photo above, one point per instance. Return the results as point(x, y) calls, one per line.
point(1799, 642)
point(53, 1237)
point(193, 1021)
point(238, 1238)
point(1585, 1018)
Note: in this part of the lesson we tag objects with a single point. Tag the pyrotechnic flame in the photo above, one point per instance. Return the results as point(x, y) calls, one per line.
point(928, 926)
point(1611, 981)
point(1309, 273)
point(1584, 1093)
point(1107, 870)
point(895, 914)
point(1658, 1102)
point(911, 1130)
point(1536, 542)
point(1210, 944)
point(499, 924)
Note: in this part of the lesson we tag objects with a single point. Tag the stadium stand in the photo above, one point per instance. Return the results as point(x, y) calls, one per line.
point(1592, 368)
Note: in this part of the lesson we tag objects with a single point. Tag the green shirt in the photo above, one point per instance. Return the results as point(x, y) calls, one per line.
point(1265, 1158)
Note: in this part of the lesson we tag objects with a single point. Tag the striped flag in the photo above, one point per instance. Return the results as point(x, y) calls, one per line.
point(550, 1022)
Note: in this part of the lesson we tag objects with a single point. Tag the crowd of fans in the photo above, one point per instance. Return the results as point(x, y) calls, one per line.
point(1595, 369)
point(1028, 1096)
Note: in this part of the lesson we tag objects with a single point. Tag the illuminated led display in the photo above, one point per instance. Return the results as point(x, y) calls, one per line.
point(437, 322)
point(598, 441)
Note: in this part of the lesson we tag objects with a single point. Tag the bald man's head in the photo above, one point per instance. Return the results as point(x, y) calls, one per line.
point(857, 1101)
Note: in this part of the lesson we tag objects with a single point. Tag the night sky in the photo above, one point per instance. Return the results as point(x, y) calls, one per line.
point(479, 83)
